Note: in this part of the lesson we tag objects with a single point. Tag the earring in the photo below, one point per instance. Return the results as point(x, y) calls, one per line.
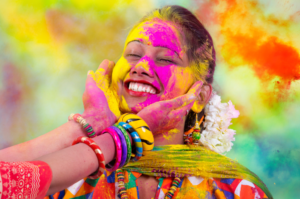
point(187, 137)
point(196, 132)
point(193, 135)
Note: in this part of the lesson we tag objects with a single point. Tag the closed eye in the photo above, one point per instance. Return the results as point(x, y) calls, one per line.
point(133, 55)
point(166, 60)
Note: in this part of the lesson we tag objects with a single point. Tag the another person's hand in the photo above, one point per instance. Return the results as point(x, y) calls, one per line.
point(101, 103)
point(164, 116)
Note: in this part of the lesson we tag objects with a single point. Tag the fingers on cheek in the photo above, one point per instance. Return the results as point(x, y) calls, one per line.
point(168, 105)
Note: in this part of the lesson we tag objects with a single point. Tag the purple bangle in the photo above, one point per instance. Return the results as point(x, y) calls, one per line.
point(116, 162)
point(123, 145)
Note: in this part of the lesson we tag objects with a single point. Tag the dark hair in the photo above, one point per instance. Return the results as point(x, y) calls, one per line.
point(199, 46)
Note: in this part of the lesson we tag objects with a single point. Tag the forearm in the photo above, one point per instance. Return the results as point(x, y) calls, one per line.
point(55, 140)
point(77, 162)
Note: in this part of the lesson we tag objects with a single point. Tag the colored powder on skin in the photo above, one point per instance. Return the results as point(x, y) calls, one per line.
point(156, 37)
point(201, 68)
point(168, 75)
point(177, 73)
point(145, 64)
point(102, 81)
point(168, 135)
point(121, 68)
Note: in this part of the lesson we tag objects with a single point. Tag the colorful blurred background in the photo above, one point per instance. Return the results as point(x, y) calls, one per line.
point(47, 47)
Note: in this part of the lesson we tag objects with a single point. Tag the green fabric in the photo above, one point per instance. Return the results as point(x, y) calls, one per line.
point(131, 181)
point(92, 182)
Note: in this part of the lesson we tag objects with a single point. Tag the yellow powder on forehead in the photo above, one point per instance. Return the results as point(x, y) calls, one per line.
point(136, 33)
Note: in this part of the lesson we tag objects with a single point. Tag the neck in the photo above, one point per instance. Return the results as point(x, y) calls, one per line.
point(173, 136)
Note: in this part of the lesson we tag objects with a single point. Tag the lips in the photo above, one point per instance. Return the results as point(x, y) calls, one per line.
point(140, 88)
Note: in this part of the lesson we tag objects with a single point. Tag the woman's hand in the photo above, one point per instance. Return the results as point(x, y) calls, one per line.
point(101, 103)
point(166, 115)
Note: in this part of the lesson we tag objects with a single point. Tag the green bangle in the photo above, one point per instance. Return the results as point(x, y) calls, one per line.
point(128, 143)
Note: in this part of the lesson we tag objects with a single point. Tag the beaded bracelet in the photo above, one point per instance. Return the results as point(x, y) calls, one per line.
point(116, 162)
point(98, 152)
point(122, 190)
point(173, 188)
point(123, 145)
point(141, 127)
point(128, 143)
point(136, 140)
point(86, 126)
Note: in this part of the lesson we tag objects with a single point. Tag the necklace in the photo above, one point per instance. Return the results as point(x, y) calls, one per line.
point(123, 193)
point(173, 188)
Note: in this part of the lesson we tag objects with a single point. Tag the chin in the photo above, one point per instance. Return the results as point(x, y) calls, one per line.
point(133, 106)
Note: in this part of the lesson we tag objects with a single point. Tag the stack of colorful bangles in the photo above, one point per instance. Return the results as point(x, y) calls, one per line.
point(128, 124)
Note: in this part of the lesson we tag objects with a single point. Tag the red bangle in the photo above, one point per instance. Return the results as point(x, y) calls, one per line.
point(98, 152)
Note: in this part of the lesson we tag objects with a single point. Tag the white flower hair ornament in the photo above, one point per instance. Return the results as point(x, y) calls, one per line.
point(216, 136)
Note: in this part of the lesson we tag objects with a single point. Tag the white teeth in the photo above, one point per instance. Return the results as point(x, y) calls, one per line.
point(135, 88)
point(140, 87)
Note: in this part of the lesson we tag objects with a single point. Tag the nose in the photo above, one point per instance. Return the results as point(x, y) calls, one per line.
point(142, 68)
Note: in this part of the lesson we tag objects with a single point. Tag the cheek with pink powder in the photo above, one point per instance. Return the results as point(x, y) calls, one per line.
point(175, 80)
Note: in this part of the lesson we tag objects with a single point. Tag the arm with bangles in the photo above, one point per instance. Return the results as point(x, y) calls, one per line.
point(68, 165)
point(76, 162)
point(96, 113)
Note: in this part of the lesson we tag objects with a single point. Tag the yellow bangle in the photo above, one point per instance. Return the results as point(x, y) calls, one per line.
point(141, 127)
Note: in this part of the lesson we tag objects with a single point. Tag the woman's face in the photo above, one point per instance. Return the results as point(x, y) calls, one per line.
point(153, 67)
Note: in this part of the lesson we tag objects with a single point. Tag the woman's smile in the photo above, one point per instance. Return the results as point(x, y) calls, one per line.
point(153, 66)
point(140, 88)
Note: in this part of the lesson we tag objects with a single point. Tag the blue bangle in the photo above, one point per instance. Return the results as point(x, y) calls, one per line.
point(123, 145)
point(136, 140)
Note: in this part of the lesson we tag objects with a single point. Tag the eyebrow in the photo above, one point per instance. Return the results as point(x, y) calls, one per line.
point(157, 46)
point(133, 41)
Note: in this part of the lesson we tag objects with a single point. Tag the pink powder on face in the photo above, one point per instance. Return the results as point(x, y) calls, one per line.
point(161, 34)
point(173, 79)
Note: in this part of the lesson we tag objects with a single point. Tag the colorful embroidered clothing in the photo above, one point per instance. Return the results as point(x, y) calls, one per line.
point(28, 180)
point(203, 174)
point(190, 187)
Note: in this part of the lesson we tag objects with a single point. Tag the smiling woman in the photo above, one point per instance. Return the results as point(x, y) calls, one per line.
point(159, 86)
point(155, 57)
